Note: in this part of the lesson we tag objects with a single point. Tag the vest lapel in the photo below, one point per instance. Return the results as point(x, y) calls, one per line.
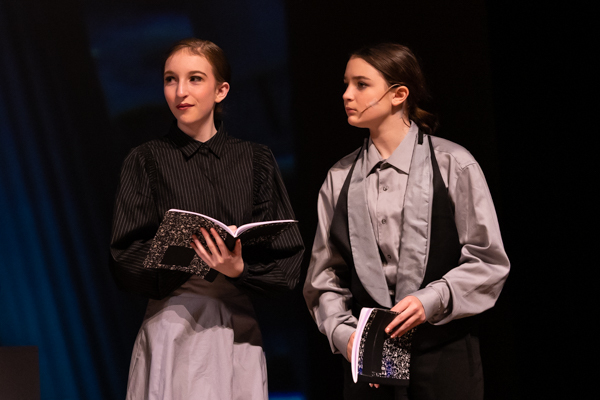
point(362, 238)
point(414, 242)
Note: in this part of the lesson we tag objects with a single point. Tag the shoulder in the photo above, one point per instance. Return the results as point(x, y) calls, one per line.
point(260, 159)
point(337, 175)
point(261, 154)
point(455, 153)
point(154, 146)
point(141, 161)
point(342, 167)
point(258, 151)
point(141, 153)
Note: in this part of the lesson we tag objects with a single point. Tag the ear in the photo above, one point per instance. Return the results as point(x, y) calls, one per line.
point(221, 92)
point(400, 95)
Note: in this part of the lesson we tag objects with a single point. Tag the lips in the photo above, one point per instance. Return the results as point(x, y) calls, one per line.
point(184, 106)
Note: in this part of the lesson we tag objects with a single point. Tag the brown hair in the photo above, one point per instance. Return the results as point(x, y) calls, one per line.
point(215, 56)
point(399, 66)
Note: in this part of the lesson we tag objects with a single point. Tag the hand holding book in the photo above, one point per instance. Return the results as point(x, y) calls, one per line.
point(377, 357)
point(217, 256)
point(410, 314)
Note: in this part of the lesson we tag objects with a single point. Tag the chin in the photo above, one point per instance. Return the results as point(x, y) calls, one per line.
point(186, 120)
point(352, 120)
point(355, 123)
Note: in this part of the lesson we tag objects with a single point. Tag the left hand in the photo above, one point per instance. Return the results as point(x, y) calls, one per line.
point(411, 314)
point(218, 256)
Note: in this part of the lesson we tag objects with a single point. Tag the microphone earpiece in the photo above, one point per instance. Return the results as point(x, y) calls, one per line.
point(375, 101)
point(371, 104)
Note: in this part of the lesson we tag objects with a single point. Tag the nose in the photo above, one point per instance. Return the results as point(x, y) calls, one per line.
point(347, 96)
point(182, 90)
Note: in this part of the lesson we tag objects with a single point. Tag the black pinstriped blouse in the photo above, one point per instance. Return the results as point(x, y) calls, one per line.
point(232, 180)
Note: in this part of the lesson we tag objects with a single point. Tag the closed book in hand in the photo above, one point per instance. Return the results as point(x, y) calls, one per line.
point(376, 356)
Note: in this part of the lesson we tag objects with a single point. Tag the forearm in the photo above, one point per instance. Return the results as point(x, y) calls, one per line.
point(331, 310)
point(273, 269)
point(328, 296)
point(474, 285)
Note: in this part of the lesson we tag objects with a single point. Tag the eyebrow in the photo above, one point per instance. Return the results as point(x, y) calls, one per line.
point(189, 73)
point(356, 78)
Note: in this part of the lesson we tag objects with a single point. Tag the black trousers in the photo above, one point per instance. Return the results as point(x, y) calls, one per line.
point(448, 372)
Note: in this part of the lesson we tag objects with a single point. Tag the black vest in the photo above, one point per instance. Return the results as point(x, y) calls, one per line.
point(444, 254)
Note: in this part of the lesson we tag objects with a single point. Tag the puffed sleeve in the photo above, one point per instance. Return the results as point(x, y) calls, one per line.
point(275, 267)
point(475, 284)
point(135, 222)
point(326, 289)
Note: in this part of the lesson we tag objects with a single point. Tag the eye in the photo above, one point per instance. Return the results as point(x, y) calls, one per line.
point(196, 78)
point(169, 79)
point(361, 85)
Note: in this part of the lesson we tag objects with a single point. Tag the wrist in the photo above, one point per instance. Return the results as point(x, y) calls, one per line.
point(238, 269)
point(349, 346)
point(241, 276)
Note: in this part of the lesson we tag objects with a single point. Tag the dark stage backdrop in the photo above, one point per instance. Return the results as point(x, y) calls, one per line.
point(80, 85)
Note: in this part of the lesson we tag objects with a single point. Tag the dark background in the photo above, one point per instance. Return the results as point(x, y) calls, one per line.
point(80, 85)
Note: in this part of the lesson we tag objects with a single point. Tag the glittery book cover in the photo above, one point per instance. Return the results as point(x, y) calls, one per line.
point(376, 357)
point(171, 249)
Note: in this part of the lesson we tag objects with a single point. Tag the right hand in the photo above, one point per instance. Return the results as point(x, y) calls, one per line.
point(218, 256)
point(349, 354)
point(410, 314)
point(349, 346)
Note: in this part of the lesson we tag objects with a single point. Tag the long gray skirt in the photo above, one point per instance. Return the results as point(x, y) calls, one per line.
point(202, 342)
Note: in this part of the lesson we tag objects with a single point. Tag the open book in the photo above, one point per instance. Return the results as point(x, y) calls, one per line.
point(377, 357)
point(171, 249)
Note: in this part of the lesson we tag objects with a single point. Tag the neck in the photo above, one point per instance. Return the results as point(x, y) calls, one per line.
point(388, 135)
point(201, 130)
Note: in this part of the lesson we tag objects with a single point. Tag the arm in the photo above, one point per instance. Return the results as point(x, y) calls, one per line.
point(135, 222)
point(475, 284)
point(276, 267)
point(326, 289)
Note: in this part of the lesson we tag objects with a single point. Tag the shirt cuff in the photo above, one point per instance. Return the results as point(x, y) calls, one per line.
point(340, 338)
point(432, 303)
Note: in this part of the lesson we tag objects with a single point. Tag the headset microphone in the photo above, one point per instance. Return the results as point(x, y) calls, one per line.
point(373, 102)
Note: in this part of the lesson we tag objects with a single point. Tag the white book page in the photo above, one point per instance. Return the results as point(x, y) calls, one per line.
point(217, 222)
point(362, 321)
point(240, 229)
point(245, 227)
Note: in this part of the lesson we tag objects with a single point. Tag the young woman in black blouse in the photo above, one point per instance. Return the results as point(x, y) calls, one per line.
point(201, 339)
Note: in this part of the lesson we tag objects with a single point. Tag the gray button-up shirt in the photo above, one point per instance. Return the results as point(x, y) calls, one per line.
point(470, 288)
point(386, 185)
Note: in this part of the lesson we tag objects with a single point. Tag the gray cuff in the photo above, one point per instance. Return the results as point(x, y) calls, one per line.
point(340, 338)
point(432, 303)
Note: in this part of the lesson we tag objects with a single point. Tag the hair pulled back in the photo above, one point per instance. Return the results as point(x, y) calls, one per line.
point(399, 66)
point(215, 56)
